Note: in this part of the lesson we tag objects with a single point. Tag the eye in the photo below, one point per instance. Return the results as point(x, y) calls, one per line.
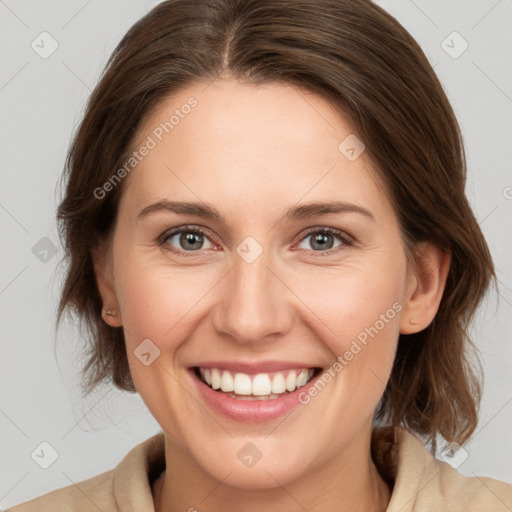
point(324, 239)
point(186, 239)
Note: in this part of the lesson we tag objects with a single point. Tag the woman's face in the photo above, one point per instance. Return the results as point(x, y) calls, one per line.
point(261, 287)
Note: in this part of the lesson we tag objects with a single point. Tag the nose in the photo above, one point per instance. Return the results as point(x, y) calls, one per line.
point(254, 306)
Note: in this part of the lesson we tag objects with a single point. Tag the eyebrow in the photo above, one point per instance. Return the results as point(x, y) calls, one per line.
point(304, 211)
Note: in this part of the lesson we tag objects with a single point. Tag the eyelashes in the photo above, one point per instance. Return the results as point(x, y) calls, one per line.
point(194, 238)
point(197, 233)
point(321, 234)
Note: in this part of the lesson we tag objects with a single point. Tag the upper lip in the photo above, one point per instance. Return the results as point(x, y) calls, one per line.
point(254, 367)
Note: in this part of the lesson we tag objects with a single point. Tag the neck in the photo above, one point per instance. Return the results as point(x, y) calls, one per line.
point(344, 483)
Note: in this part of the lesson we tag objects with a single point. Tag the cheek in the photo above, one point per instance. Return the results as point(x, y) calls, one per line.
point(156, 300)
point(162, 304)
point(351, 300)
point(357, 316)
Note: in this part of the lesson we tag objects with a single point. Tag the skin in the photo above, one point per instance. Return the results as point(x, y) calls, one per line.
point(252, 152)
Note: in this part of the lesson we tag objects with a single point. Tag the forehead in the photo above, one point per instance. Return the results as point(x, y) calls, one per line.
point(244, 144)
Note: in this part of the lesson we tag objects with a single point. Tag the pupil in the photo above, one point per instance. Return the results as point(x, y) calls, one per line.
point(191, 238)
point(321, 238)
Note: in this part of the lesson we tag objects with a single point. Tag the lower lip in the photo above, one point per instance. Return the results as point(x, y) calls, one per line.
point(251, 410)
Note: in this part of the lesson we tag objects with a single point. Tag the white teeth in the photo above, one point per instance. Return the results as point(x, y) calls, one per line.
point(262, 385)
point(241, 384)
point(291, 381)
point(278, 383)
point(302, 378)
point(226, 383)
point(252, 398)
point(215, 378)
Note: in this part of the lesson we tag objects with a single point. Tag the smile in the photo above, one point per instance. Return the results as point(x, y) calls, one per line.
point(260, 386)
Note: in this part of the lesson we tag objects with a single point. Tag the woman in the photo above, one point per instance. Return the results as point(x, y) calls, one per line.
point(269, 241)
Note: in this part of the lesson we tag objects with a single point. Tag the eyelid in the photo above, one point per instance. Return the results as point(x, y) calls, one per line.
point(193, 228)
point(347, 240)
point(343, 235)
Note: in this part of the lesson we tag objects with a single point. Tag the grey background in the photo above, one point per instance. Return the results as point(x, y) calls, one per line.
point(41, 103)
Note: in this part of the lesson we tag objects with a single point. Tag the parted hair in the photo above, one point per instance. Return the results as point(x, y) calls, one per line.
point(359, 58)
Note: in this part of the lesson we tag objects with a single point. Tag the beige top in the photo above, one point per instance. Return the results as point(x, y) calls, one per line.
point(420, 482)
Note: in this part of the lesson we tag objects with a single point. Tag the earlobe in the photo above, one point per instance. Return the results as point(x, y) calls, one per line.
point(111, 317)
point(103, 273)
point(425, 288)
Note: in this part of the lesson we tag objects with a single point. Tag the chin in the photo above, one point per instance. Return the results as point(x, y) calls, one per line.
point(275, 468)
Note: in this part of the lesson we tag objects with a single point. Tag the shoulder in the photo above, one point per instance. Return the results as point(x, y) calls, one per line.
point(423, 483)
point(126, 487)
point(93, 493)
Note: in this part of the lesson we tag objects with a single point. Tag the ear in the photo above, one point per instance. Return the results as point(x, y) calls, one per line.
point(104, 279)
point(426, 283)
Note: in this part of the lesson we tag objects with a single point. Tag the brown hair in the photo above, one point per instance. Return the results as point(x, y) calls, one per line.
point(366, 64)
